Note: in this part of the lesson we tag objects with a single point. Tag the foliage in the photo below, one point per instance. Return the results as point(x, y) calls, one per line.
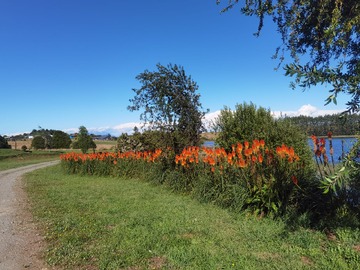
point(3, 143)
point(325, 32)
point(38, 143)
point(342, 182)
point(24, 148)
point(146, 140)
point(60, 140)
point(127, 143)
point(333, 199)
point(171, 105)
point(247, 123)
point(83, 140)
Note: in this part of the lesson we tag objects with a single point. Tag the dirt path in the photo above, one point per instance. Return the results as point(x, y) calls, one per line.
point(21, 244)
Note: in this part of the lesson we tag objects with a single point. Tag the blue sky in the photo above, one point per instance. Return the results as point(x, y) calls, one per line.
point(69, 63)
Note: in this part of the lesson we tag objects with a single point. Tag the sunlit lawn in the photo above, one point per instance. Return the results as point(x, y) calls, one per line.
point(117, 223)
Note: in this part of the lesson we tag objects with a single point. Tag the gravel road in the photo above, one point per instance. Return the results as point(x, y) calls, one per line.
point(21, 243)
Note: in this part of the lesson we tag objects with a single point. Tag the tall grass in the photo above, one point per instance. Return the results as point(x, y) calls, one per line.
point(122, 223)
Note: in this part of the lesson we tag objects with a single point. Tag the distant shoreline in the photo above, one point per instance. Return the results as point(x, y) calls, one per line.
point(211, 136)
point(337, 136)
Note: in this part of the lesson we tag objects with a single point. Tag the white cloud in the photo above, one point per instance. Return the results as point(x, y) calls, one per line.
point(210, 118)
point(115, 130)
point(306, 110)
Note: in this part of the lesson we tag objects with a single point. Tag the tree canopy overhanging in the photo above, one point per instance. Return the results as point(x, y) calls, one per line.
point(325, 33)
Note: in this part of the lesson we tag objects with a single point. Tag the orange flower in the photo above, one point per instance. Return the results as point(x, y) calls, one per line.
point(241, 163)
point(262, 143)
point(246, 144)
point(294, 179)
point(248, 152)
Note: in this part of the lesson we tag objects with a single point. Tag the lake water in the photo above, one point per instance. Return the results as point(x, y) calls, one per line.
point(339, 145)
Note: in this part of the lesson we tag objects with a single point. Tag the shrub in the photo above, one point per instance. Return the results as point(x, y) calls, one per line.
point(336, 201)
point(4, 143)
point(247, 123)
point(60, 140)
point(38, 143)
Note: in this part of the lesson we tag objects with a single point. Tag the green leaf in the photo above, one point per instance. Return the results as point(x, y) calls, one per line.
point(334, 100)
point(274, 207)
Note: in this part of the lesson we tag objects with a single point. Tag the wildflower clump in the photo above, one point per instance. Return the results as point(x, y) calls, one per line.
point(109, 163)
point(264, 178)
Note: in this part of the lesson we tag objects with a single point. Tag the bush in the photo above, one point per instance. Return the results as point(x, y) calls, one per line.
point(61, 140)
point(336, 202)
point(4, 143)
point(38, 143)
point(247, 123)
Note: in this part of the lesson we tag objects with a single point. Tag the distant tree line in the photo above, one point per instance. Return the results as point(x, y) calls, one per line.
point(51, 139)
point(338, 124)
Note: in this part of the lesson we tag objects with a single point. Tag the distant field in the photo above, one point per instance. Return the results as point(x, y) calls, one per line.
point(104, 145)
point(209, 136)
point(11, 158)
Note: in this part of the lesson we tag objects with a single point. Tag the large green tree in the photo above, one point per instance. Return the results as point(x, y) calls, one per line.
point(170, 105)
point(321, 37)
point(84, 140)
point(60, 139)
point(38, 143)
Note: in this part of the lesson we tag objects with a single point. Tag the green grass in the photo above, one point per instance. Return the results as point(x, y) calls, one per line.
point(107, 142)
point(117, 223)
point(10, 158)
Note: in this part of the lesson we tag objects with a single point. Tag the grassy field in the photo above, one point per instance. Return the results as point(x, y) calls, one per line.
point(16, 158)
point(102, 145)
point(117, 223)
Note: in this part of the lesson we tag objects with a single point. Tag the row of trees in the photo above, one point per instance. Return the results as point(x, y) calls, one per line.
point(57, 139)
point(61, 140)
point(51, 139)
point(338, 124)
